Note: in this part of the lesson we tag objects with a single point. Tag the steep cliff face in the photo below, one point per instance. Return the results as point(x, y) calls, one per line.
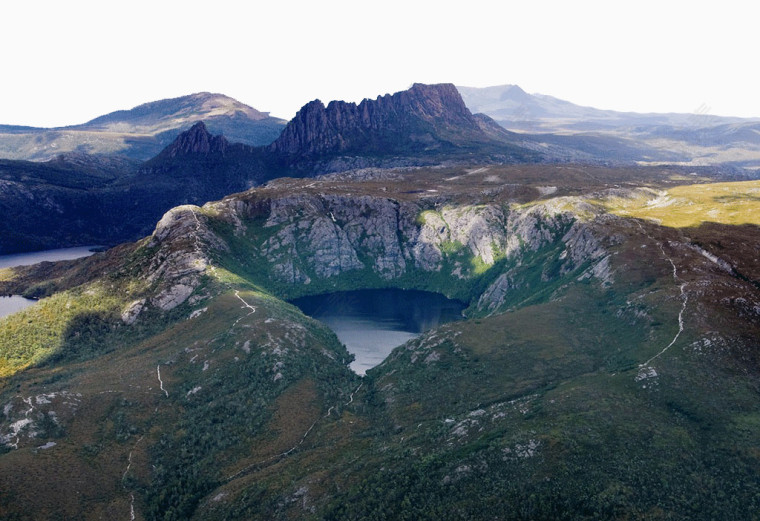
point(295, 241)
point(423, 117)
point(319, 240)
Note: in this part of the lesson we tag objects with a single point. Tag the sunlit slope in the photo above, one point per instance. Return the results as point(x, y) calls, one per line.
point(691, 205)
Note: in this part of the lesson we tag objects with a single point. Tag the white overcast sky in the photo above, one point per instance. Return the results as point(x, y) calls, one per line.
point(65, 62)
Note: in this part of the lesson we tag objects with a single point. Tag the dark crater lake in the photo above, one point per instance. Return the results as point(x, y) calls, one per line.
point(371, 322)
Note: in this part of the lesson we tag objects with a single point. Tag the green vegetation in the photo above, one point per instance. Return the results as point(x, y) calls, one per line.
point(228, 424)
point(234, 405)
point(691, 205)
point(69, 318)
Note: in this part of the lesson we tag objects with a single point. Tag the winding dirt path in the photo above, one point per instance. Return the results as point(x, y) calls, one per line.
point(684, 296)
point(245, 304)
point(160, 382)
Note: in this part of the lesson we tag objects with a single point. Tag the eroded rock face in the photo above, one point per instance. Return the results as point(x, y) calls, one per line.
point(173, 296)
point(495, 295)
point(183, 241)
point(378, 228)
point(185, 222)
point(328, 250)
point(481, 229)
point(182, 237)
point(326, 235)
point(308, 236)
point(423, 115)
point(132, 311)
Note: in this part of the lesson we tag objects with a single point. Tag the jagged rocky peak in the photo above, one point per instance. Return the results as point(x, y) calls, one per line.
point(439, 103)
point(427, 110)
point(196, 140)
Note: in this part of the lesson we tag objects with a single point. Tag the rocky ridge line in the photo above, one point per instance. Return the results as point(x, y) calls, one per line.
point(328, 235)
point(423, 115)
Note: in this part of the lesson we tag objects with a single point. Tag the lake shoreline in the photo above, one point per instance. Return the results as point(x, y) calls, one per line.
point(373, 322)
point(10, 304)
point(13, 260)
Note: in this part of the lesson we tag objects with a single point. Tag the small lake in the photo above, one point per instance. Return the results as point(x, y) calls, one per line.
point(372, 322)
point(14, 303)
point(26, 259)
point(9, 305)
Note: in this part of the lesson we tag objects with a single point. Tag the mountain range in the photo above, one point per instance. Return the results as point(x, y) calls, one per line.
point(607, 366)
point(84, 199)
point(513, 107)
point(695, 139)
point(555, 128)
point(80, 198)
point(142, 132)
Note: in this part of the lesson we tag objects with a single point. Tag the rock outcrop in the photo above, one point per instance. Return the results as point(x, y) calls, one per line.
point(423, 117)
point(180, 247)
point(321, 236)
point(184, 242)
point(196, 140)
point(484, 251)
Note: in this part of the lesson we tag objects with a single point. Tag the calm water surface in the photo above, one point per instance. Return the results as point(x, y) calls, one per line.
point(26, 259)
point(13, 303)
point(372, 322)
point(9, 305)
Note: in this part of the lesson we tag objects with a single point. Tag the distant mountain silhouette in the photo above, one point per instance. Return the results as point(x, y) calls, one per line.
point(142, 132)
point(423, 121)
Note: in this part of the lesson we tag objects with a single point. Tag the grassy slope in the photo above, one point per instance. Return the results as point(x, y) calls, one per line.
point(691, 205)
point(220, 371)
point(543, 414)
